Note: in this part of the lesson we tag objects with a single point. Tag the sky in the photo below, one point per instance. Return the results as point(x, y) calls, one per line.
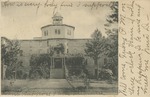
point(25, 22)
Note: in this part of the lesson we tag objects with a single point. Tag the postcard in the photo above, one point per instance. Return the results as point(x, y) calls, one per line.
point(70, 47)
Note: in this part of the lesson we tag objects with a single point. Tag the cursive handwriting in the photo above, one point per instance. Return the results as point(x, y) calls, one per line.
point(139, 7)
point(123, 74)
point(134, 48)
point(123, 88)
point(132, 87)
point(53, 4)
point(130, 61)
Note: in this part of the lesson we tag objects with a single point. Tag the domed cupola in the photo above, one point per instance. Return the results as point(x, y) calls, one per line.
point(57, 19)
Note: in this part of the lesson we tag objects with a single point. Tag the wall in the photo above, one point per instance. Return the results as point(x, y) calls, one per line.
point(30, 47)
point(77, 46)
point(71, 36)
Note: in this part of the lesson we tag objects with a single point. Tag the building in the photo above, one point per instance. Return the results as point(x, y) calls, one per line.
point(54, 36)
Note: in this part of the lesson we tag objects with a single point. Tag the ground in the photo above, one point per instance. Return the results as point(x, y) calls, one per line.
point(57, 86)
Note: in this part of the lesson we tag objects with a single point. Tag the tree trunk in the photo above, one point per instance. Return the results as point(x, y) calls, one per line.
point(96, 68)
point(2, 67)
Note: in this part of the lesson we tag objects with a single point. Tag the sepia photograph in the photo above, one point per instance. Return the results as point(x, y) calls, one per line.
point(54, 47)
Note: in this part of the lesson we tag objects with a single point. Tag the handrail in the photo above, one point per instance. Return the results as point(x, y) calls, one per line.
point(67, 77)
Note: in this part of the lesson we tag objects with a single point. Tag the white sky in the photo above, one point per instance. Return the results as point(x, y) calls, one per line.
point(24, 23)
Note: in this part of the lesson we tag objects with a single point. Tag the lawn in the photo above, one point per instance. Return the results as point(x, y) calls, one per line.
point(56, 86)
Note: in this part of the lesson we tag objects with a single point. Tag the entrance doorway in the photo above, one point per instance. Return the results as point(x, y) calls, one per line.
point(57, 68)
point(58, 63)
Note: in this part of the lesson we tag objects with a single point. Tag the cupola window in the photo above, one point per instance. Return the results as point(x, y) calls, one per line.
point(57, 31)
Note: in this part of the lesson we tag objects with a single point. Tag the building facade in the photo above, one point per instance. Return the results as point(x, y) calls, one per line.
point(53, 36)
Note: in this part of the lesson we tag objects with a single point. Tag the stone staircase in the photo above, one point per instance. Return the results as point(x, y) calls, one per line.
point(57, 74)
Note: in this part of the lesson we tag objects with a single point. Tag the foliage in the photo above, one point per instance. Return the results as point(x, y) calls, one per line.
point(106, 74)
point(10, 53)
point(74, 65)
point(113, 17)
point(40, 66)
point(111, 46)
point(95, 47)
point(59, 48)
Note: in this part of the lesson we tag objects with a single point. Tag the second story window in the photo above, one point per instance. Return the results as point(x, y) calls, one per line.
point(45, 33)
point(57, 31)
point(69, 32)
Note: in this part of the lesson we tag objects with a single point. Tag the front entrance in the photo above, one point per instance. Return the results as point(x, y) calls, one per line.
point(57, 68)
point(65, 66)
point(58, 63)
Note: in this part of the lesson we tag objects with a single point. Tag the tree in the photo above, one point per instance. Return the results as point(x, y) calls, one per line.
point(74, 64)
point(10, 53)
point(113, 17)
point(59, 48)
point(40, 66)
point(95, 47)
point(111, 46)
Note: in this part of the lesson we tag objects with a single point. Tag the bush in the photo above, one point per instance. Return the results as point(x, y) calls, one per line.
point(40, 66)
point(106, 74)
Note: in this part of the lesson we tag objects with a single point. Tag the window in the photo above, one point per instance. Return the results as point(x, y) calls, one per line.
point(57, 31)
point(45, 33)
point(67, 50)
point(69, 32)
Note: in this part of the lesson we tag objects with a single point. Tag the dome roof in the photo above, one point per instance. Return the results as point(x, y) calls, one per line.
point(57, 14)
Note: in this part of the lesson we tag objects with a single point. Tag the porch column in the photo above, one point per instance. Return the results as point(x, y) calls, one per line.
point(62, 60)
point(53, 62)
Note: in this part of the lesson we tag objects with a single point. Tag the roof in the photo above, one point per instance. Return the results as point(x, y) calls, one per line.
point(54, 39)
point(57, 14)
point(58, 25)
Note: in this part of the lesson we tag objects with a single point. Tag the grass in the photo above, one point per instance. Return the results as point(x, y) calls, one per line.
point(56, 87)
